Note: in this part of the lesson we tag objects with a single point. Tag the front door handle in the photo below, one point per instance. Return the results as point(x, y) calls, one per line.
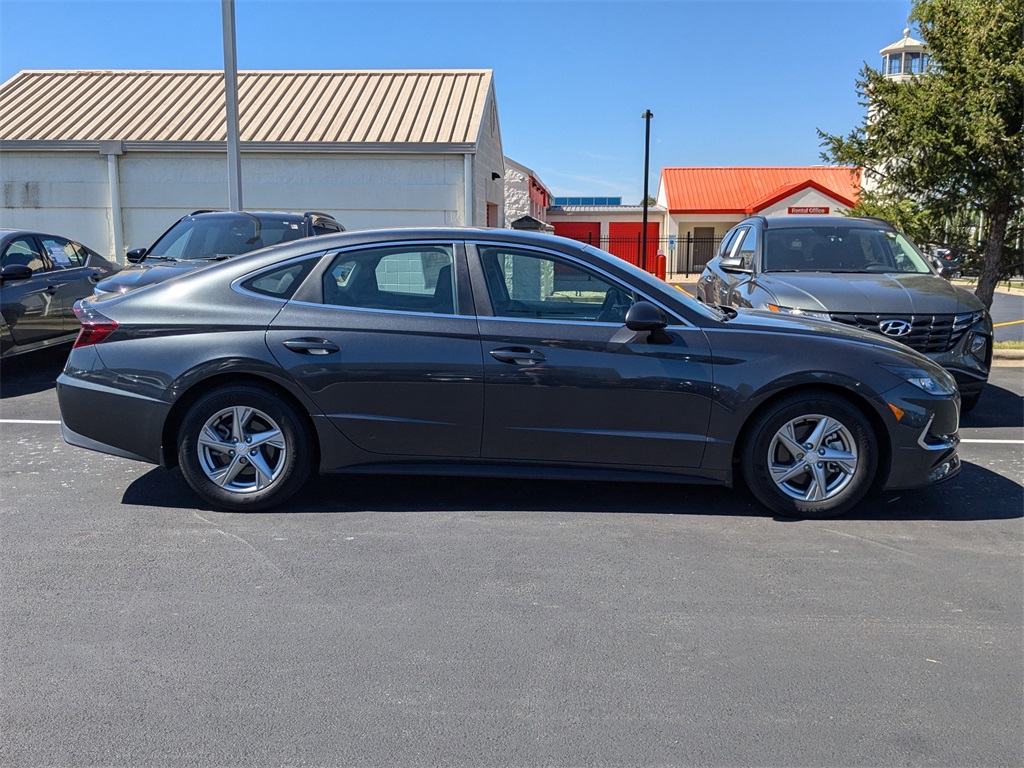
point(517, 356)
point(312, 346)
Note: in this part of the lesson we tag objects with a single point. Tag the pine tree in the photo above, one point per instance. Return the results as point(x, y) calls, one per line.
point(952, 139)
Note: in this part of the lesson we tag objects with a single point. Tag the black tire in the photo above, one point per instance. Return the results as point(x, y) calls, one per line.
point(277, 457)
point(822, 425)
point(969, 402)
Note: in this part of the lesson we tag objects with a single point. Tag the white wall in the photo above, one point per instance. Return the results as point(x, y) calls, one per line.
point(489, 158)
point(517, 194)
point(361, 191)
point(805, 198)
point(59, 193)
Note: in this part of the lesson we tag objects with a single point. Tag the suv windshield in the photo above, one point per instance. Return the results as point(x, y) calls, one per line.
point(215, 236)
point(840, 249)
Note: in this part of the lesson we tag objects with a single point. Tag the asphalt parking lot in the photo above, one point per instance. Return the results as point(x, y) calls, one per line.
point(476, 622)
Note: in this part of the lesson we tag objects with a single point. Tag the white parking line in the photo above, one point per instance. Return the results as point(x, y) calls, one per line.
point(996, 442)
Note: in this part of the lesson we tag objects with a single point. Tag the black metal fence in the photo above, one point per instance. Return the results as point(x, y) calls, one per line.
point(683, 255)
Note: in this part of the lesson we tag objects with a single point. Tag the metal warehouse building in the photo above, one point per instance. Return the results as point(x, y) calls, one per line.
point(112, 158)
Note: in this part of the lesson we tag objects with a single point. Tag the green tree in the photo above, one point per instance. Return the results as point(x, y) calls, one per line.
point(949, 141)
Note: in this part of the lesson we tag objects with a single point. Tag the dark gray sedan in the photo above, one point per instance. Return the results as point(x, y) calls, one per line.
point(493, 352)
point(859, 272)
point(41, 278)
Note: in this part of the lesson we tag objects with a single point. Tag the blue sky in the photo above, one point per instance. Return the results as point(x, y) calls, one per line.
point(730, 82)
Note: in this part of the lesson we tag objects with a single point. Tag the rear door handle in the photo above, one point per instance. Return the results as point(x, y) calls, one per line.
point(312, 346)
point(517, 356)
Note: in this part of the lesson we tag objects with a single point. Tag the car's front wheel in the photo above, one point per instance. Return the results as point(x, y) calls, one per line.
point(810, 456)
point(243, 449)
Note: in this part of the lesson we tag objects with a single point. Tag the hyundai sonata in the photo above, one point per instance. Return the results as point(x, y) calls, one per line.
point(447, 351)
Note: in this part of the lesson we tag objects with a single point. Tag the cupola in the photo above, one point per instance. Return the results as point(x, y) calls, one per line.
point(904, 59)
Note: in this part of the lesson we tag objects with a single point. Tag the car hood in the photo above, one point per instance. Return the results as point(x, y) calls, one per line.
point(773, 322)
point(146, 274)
point(869, 293)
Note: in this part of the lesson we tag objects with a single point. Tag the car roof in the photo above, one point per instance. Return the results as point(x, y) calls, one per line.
point(297, 215)
point(5, 231)
point(811, 220)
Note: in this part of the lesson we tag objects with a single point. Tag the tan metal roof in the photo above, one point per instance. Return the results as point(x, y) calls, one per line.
point(311, 107)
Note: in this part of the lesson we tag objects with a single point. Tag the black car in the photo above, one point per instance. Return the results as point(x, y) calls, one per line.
point(204, 237)
point(41, 278)
point(859, 272)
point(493, 352)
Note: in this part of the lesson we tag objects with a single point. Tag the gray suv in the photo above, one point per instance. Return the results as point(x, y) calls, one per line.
point(859, 272)
point(204, 237)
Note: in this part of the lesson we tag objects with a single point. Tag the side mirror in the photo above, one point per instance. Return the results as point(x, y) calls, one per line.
point(644, 316)
point(15, 272)
point(734, 264)
point(135, 255)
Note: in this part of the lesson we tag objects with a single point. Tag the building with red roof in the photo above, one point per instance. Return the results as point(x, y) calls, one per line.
point(702, 204)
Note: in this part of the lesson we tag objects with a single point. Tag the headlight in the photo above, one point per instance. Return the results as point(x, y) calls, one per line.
point(934, 384)
point(800, 312)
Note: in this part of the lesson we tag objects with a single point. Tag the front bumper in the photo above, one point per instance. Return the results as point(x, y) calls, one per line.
point(924, 437)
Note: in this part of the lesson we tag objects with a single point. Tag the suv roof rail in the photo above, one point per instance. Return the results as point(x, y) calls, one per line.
point(879, 219)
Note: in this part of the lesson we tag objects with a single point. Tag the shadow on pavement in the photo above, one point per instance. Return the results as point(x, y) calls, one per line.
point(998, 407)
point(974, 494)
point(32, 372)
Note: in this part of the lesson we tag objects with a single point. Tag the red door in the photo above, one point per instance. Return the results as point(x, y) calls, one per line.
point(624, 242)
point(584, 231)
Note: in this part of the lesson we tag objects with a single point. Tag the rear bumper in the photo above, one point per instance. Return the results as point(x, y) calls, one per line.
point(110, 421)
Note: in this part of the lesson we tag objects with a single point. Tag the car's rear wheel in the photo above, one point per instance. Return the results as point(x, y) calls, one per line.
point(243, 449)
point(810, 456)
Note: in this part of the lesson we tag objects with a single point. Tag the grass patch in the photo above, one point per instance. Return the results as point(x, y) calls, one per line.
point(1008, 344)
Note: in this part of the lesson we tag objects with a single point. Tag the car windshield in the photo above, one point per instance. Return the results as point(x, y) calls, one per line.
point(216, 236)
point(830, 248)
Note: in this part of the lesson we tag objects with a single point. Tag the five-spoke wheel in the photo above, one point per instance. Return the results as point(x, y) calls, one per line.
point(242, 448)
point(810, 457)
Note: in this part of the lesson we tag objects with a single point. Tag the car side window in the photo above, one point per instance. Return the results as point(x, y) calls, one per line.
point(63, 253)
point(410, 278)
point(281, 282)
point(744, 246)
point(727, 242)
point(528, 284)
point(23, 251)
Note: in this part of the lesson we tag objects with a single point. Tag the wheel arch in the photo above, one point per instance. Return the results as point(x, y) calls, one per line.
point(172, 424)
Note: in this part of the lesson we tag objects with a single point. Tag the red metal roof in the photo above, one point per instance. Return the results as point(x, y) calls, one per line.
point(747, 190)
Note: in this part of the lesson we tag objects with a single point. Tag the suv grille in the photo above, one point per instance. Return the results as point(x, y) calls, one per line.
point(928, 333)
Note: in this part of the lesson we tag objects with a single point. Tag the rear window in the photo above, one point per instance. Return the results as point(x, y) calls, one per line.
point(280, 282)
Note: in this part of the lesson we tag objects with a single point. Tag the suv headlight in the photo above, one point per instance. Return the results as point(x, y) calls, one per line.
point(933, 384)
point(799, 312)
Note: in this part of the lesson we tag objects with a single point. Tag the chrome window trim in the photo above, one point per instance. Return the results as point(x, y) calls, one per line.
point(371, 310)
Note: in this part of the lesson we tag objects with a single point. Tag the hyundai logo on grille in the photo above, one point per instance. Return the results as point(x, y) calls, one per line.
point(894, 327)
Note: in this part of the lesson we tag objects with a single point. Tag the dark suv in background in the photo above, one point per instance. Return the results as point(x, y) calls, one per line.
point(859, 272)
point(204, 237)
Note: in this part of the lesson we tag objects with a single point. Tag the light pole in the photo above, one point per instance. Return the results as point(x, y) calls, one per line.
point(227, 11)
point(647, 161)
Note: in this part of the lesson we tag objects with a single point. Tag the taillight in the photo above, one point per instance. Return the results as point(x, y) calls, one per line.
point(95, 325)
